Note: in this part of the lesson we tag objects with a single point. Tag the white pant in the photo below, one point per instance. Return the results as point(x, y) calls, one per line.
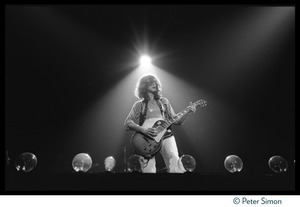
point(170, 155)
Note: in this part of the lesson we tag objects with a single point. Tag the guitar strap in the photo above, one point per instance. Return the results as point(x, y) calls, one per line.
point(143, 112)
point(160, 106)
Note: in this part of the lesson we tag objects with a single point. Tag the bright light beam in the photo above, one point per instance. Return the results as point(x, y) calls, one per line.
point(145, 61)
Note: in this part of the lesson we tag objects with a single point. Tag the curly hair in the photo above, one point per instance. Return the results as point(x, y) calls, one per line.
point(142, 85)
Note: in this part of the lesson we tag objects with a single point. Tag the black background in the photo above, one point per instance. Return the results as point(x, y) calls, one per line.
point(61, 58)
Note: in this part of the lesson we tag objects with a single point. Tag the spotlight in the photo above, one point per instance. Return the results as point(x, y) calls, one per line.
point(26, 162)
point(233, 163)
point(82, 162)
point(145, 61)
point(109, 163)
point(187, 163)
point(278, 164)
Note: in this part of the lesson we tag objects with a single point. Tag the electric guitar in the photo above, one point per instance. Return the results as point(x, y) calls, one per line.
point(148, 146)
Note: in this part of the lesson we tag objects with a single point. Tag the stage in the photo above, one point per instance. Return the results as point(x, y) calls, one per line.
point(155, 184)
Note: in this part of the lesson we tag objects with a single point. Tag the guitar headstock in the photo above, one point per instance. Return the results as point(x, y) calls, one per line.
point(200, 102)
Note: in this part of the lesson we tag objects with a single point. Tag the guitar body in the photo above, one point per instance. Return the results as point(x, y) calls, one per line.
point(145, 145)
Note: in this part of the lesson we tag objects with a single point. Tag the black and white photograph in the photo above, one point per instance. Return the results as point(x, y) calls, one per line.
point(158, 99)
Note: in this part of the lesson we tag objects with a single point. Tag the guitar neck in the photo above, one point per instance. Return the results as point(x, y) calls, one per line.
point(181, 114)
point(172, 121)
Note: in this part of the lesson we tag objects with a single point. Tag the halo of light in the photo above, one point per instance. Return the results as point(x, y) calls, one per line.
point(26, 162)
point(145, 60)
point(134, 163)
point(109, 163)
point(233, 163)
point(278, 164)
point(187, 163)
point(82, 162)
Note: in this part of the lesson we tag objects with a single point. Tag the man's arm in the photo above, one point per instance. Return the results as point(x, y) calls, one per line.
point(133, 116)
point(135, 127)
point(172, 113)
point(183, 118)
point(149, 131)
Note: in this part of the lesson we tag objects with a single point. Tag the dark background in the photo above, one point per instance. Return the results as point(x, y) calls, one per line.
point(59, 59)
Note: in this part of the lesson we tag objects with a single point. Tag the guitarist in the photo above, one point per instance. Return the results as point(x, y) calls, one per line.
point(152, 106)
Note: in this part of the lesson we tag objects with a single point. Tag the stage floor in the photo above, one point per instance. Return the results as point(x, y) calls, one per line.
point(157, 184)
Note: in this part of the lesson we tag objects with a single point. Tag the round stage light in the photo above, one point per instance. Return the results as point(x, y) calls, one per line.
point(233, 163)
point(26, 162)
point(109, 163)
point(145, 60)
point(134, 163)
point(187, 162)
point(278, 164)
point(82, 162)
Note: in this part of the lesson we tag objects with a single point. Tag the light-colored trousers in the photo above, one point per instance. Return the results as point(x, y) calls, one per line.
point(170, 155)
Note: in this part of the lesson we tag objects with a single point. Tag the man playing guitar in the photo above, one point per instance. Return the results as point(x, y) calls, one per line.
point(153, 109)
